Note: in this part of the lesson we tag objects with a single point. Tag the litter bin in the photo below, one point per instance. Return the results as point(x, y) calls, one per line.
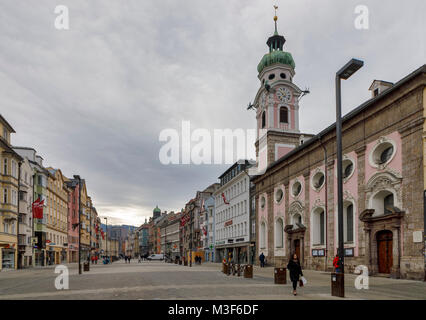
point(180, 262)
point(337, 285)
point(280, 276)
point(248, 271)
point(228, 269)
point(86, 266)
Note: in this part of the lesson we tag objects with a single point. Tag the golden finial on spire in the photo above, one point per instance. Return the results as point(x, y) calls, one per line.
point(275, 17)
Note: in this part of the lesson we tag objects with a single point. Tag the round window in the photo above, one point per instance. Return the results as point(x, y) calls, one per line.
point(348, 168)
point(318, 180)
point(271, 76)
point(386, 155)
point(262, 202)
point(283, 76)
point(279, 195)
point(383, 153)
point(296, 189)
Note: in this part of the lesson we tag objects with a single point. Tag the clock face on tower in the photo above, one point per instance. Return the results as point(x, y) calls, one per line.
point(284, 95)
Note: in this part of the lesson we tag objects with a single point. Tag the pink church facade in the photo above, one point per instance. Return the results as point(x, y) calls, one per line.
point(383, 176)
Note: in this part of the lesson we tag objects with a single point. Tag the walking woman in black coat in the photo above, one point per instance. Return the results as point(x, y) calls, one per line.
point(295, 271)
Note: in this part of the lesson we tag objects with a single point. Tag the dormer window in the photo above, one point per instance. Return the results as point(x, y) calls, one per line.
point(376, 92)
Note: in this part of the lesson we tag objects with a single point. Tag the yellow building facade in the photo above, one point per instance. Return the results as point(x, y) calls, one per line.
point(56, 217)
point(9, 172)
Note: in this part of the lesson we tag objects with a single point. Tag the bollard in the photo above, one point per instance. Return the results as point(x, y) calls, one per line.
point(248, 271)
point(337, 285)
point(86, 266)
point(228, 269)
point(280, 276)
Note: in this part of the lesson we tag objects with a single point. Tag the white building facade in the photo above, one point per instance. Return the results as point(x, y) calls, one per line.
point(232, 214)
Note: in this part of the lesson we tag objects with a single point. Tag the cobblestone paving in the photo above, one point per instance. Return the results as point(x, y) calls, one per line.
point(159, 280)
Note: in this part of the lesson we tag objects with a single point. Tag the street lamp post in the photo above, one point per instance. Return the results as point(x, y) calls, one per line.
point(79, 224)
point(106, 237)
point(344, 73)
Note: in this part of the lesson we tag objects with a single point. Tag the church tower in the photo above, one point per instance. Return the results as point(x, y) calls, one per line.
point(276, 104)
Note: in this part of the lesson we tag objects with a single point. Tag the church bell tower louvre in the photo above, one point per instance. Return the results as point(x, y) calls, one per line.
point(277, 103)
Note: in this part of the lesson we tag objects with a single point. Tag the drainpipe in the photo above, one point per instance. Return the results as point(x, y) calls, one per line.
point(19, 209)
point(326, 203)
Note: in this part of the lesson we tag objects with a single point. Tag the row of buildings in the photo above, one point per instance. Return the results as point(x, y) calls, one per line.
point(52, 238)
point(286, 202)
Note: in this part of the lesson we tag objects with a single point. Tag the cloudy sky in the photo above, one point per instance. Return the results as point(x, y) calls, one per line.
point(92, 100)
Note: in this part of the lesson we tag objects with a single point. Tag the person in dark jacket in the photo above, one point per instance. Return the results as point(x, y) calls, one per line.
point(295, 271)
point(262, 260)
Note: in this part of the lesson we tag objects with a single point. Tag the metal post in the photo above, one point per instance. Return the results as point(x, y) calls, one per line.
point(19, 209)
point(32, 223)
point(79, 225)
point(339, 169)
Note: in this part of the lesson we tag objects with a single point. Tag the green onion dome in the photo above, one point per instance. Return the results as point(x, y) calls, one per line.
point(276, 56)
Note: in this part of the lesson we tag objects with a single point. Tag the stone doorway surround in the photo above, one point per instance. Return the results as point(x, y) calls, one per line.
point(296, 234)
point(373, 225)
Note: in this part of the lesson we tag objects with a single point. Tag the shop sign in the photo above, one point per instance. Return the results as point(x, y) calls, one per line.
point(318, 252)
point(228, 223)
point(349, 252)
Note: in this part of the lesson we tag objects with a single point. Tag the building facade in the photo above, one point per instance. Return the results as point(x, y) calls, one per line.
point(25, 257)
point(40, 179)
point(296, 198)
point(56, 218)
point(232, 221)
point(73, 218)
point(9, 181)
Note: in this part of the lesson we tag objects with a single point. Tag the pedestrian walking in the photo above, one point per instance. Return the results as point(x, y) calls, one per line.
point(336, 264)
point(295, 271)
point(262, 260)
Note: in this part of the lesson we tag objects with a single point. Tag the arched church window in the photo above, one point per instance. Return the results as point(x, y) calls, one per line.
point(279, 233)
point(348, 222)
point(319, 227)
point(283, 115)
point(262, 235)
point(388, 203)
point(263, 119)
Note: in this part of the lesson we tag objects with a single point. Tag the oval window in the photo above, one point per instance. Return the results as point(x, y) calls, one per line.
point(318, 180)
point(283, 76)
point(262, 202)
point(271, 76)
point(279, 195)
point(348, 168)
point(386, 155)
point(296, 189)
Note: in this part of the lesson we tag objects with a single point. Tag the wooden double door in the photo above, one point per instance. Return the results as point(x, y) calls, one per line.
point(384, 251)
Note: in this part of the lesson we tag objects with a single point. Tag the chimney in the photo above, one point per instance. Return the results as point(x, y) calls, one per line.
point(379, 86)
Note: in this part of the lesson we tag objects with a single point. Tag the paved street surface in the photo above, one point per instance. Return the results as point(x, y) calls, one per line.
point(159, 280)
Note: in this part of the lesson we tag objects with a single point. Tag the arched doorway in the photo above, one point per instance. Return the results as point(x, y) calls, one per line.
point(384, 251)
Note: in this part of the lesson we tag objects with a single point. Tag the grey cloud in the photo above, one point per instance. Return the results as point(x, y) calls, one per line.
point(92, 100)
